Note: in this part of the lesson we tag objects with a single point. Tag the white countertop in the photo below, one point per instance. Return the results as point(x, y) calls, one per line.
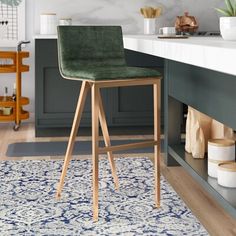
point(45, 36)
point(207, 52)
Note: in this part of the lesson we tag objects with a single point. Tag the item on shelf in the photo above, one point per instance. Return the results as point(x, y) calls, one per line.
point(150, 15)
point(4, 99)
point(213, 167)
point(6, 111)
point(211, 129)
point(48, 23)
point(14, 92)
point(221, 149)
point(227, 175)
point(186, 23)
point(198, 141)
point(196, 118)
point(219, 131)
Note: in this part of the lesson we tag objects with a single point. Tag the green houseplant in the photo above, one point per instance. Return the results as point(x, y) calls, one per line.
point(228, 21)
point(230, 10)
point(13, 3)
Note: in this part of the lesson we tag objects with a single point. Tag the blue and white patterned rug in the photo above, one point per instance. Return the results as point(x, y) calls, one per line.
point(28, 205)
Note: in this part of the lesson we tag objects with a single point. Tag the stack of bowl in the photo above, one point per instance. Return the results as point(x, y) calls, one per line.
point(221, 161)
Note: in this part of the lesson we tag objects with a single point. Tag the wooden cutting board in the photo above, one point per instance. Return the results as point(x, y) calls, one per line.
point(172, 36)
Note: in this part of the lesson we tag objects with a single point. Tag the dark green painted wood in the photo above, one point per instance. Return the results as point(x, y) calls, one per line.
point(173, 120)
point(56, 98)
point(208, 91)
point(198, 169)
point(52, 93)
point(140, 108)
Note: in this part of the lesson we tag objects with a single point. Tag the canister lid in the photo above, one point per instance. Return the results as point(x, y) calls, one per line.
point(221, 142)
point(219, 162)
point(50, 14)
point(228, 166)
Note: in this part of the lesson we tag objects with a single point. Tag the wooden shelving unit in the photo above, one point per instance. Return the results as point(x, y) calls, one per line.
point(198, 169)
point(17, 67)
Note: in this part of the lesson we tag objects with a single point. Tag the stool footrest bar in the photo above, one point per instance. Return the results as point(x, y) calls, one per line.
point(128, 146)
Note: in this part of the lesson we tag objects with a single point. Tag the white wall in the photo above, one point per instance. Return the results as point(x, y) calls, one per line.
point(119, 12)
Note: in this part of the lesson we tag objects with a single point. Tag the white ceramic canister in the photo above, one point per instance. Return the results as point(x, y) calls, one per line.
point(212, 167)
point(48, 23)
point(65, 21)
point(149, 25)
point(221, 149)
point(227, 175)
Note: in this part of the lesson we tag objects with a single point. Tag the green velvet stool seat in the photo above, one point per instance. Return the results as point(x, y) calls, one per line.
point(95, 56)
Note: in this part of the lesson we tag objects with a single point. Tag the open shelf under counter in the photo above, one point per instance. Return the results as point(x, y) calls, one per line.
point(198, 169)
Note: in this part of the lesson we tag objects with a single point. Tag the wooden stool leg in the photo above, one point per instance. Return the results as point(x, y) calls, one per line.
point(103, 122)
point(157, 148)
point(95, 142)
point(80, 106)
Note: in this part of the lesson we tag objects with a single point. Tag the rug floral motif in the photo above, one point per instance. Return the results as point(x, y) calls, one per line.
point(28, 205)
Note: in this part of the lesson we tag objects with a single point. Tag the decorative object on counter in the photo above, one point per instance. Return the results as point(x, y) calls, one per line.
point(65, 21)
point(201, 127)
point(228, 22)
point(150, 14)
point(186, 24)
point(48, 23)
point(221, 149)
point(172, 37)
point(167, 31)
point(227, 175)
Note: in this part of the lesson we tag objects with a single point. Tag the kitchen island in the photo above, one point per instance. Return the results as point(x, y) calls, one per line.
point(56, 98)
point(200, 72)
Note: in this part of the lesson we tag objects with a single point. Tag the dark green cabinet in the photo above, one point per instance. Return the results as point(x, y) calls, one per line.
point(56, 98)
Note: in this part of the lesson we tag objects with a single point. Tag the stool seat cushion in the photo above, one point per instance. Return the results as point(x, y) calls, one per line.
point(95, 73)
point(95, 53)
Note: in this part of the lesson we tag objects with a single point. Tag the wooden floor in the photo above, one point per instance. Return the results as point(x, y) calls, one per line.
point(210, 214)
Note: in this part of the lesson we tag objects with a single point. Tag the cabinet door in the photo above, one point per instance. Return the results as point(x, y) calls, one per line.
point(55, 97)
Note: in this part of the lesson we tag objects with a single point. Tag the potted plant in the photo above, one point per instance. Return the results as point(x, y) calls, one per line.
point(13, 3)
point(228, 22)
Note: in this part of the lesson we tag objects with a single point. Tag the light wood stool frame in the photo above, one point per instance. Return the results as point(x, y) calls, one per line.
point(98, 114)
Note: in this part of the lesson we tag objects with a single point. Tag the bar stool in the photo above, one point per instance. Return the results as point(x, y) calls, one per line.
point(95, 56)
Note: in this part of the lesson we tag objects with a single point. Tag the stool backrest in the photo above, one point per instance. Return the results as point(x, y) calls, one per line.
point(90, 46)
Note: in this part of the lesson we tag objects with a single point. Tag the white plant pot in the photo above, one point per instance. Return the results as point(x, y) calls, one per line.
point(228, 28)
